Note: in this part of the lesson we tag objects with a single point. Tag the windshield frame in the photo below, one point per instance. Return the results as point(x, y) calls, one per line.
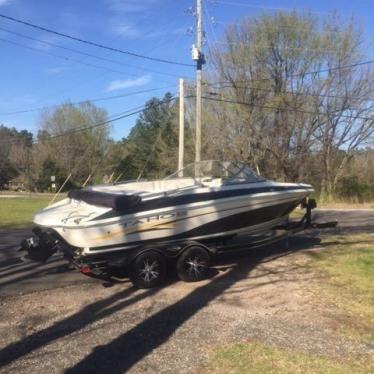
point(232, 178)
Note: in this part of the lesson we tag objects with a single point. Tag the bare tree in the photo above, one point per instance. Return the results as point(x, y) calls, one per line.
point(282, 95)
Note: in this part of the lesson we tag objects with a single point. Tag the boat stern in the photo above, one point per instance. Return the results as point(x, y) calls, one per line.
point(43, 244)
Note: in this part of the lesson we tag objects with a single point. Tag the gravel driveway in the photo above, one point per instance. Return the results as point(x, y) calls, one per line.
point(112, 328)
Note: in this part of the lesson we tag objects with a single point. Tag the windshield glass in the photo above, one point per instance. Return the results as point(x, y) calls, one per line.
point(228, 171)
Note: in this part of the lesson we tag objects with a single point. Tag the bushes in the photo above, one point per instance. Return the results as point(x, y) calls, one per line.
point(352, 188)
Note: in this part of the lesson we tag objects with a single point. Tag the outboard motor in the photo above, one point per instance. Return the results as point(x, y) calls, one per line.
point(41, 247)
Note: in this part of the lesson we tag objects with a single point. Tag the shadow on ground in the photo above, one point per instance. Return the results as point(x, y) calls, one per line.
point(129, 348)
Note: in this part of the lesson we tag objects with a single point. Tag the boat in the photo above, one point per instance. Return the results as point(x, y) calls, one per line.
point(204, 201)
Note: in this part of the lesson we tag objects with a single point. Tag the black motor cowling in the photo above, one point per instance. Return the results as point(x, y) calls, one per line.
point(40, 247)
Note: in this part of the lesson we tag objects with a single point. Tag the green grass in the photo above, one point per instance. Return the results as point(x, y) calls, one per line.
point(346, 285)
point(247, 358)
point(343, 202)
point(17, 212)
point(347, 263)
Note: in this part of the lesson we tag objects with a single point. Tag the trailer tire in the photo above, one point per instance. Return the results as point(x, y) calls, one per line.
point(148, 269)
point(193, 264)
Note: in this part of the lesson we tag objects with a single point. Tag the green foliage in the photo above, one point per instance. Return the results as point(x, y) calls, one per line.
point(152, 142)
point(79, 153)
point(352, 187)
point(49, 169)
point(11, 138)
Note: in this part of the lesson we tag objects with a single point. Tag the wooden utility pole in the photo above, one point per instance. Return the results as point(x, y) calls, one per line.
point(198, 56)
point(181, 126)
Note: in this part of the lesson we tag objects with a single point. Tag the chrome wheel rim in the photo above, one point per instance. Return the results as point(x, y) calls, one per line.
point(195, 266)
point(149, 270)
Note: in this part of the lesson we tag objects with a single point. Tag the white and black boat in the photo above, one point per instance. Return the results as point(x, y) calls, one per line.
point(205, 201)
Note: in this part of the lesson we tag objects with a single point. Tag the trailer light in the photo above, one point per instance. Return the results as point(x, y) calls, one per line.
point(85, 269)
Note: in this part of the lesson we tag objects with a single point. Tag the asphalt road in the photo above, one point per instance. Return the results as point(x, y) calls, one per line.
point(18, 277)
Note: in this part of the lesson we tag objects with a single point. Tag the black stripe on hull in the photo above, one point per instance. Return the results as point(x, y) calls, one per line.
point(231, 223)
point(170, 201)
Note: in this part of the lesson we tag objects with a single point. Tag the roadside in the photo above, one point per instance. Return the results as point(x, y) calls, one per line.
point(346, 206)
point(17, 210)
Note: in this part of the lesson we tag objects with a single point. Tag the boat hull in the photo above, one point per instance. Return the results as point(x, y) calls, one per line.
point(250, 213)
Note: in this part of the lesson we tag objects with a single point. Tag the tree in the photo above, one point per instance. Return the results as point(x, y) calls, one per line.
point(272, 112)
point(15, 148)
point(152, 142)
point(80, 153)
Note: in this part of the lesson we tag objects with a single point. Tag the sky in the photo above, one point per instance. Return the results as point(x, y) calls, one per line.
point(40, 69)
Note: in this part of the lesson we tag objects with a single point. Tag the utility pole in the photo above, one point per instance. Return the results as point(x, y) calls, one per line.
point(181, 126)
point(198, 56)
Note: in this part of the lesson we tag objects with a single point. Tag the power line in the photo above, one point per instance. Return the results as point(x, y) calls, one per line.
point(68, 58)
point(91, 100)
point(209, 20)
point(247, 5)
point(224, 100)
point(307, 28)
point(95, 44)
point(86, 54)
point(17, 138)
point(284, 92)
point(315, 72)
point(129, 113)
point(264, 47)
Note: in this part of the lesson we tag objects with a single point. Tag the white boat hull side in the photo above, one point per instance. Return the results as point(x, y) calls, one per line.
point(172, 221)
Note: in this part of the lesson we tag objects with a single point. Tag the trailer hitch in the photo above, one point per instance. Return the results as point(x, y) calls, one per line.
point(307, 222)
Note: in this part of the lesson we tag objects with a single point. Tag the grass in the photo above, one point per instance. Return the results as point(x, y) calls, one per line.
point(345, 205)
point(247, 358)
point(335, 202)
point(348, 265)
point(17, 212)
point(347, 286)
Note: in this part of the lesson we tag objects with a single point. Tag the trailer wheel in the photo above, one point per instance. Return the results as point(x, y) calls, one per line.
point(148, 270)
point(193, 264)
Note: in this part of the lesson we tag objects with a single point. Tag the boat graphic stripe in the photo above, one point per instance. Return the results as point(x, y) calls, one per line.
point(134, 230)
point(225, 224)
point(166, 201)
point(150, 226)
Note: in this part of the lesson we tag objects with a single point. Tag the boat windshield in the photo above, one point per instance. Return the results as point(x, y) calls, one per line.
point(230, 172)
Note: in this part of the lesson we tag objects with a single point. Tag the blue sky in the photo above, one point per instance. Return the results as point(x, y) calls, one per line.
point(35, 73)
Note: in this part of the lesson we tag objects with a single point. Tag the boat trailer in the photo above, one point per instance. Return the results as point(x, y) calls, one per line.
point(146, 265)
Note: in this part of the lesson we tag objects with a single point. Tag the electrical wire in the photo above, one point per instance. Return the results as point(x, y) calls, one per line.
point(224, 100)
point(284, 92)
point(87, 54)
point(71, 59)
point(94, 44)
point(315, 72)
point(125, 114)
point(247, 5)
point(209, 21)
point(268, 47)
point(91, 100)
